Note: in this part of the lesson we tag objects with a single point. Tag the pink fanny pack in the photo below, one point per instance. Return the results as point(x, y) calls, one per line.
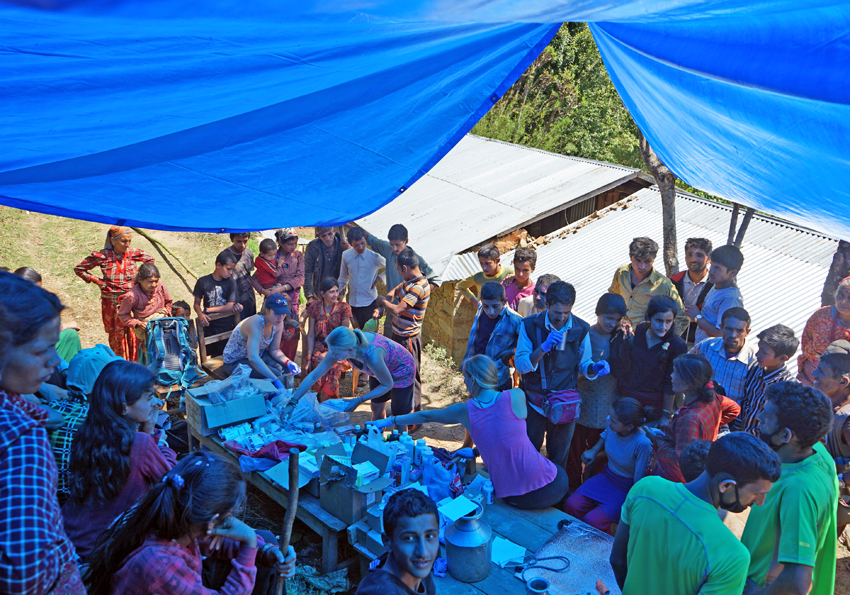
point(560, 406)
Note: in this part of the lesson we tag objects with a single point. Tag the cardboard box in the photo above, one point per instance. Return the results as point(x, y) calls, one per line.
point(375, 518)
point(207, 418)
point(339, 493)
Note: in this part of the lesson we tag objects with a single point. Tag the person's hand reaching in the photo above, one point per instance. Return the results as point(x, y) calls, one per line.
point(601, 368)
point(381, 423)
point(587, 457)
point(555, 338)
point(293, 367)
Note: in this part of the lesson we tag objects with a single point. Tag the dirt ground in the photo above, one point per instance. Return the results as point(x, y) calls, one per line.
point(53, 246)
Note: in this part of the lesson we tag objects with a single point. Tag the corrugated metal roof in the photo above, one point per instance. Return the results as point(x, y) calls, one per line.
point(466, 265)
point(483, 188)
point(781, 280)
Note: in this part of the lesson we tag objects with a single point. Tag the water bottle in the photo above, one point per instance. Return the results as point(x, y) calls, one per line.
point(418, 451)
point(489, 493)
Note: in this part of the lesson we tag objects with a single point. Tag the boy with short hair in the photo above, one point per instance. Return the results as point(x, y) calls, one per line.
point(219, 294)
point(536, 302)
point(413, 294)
point(322, 258)
point(792, 537)
point(491, 270)
point(242, 272)
point(692, 459)
point(412, 538)
point(519, 285)
point(495, 330)
point(726, 262)
point(398, 242)
point(638, 282)
point(360, 272)
point(692, 283)
point(776, 346)
point(181, 309)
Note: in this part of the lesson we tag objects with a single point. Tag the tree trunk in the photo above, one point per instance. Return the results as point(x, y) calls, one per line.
point(666, 181)
point(839, 269)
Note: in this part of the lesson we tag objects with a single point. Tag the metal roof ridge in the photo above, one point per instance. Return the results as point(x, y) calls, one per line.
point(568, 157)
point(766, 218)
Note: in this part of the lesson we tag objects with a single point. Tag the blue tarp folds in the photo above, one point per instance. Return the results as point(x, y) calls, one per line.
point(256, 114)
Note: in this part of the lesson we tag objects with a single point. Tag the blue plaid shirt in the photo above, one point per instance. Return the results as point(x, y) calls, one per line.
point(504, 337)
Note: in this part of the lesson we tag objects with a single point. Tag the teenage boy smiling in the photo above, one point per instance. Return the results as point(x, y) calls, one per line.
point(412, 537)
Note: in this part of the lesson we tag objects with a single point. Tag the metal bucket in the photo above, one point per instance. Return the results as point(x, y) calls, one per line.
point(468, 547)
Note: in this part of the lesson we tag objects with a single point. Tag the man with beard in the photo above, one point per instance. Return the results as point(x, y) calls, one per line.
point(791, 538)
point(731, 356)
point(692, 283)
point(671, 539)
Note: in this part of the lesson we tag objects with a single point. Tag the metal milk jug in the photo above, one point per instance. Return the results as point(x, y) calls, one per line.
point(468, 546)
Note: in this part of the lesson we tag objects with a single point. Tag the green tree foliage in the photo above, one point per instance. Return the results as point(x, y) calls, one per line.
point(565, 103)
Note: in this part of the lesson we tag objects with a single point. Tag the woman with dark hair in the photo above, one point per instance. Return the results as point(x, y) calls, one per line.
point(30, 274)
point(598, 501)
point(117, 453)
point(37, 555)
point(290, 279)
point(643, 360)
point(156, 547)
point(149, 299)
point(699, 418)
point(117, 262)
point(325, 315)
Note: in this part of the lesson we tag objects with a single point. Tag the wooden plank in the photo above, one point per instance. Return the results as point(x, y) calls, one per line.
point(516, 529)
point(547, 518)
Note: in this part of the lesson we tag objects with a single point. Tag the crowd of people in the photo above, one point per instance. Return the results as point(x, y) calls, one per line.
point(655, 416)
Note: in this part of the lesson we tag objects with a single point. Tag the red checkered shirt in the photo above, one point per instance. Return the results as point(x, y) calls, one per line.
point(33, 546)
point(118, 275)
point(694, 421)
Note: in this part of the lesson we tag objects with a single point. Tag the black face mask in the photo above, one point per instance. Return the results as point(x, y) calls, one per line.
point(768, 438)
point(736, 506)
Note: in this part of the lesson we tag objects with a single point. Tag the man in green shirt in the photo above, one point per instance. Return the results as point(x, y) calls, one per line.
point(671, 539)
point(791, 539)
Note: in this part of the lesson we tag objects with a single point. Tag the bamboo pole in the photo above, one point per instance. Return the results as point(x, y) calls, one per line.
point(153, 240)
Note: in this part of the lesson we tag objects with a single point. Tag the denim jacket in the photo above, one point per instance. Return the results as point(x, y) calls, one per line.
point(505, 335)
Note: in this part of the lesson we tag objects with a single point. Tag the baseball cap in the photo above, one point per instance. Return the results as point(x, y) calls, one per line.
point(838, 353)
point(277, 304)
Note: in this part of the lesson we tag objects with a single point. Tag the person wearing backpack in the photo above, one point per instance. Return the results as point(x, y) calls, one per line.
point(552, 350)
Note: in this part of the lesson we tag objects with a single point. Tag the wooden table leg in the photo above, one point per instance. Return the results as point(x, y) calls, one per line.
point(330, 551)
point(190, 439)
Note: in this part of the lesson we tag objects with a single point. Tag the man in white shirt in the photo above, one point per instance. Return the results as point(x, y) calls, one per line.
point(360, 272)
point(536, 302)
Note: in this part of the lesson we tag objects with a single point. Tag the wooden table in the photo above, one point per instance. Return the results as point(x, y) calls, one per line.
point(309, 511)
point(530, 529)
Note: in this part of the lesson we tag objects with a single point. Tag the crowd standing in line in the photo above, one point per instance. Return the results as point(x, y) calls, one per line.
point(654, 417)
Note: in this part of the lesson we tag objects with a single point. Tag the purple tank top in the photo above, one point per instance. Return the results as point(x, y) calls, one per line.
point(399, 361)
point(516, 468)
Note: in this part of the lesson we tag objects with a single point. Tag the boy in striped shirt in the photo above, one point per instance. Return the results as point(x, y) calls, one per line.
point(413, 294)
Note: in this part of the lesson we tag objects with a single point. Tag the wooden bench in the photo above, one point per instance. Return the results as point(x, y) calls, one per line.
point(310, 512)
point(214, 366)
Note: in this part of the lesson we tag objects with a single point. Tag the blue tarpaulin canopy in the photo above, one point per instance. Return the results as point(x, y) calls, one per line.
point(248, 115)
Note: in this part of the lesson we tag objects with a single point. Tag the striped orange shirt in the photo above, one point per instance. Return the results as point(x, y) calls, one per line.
point(416, 293)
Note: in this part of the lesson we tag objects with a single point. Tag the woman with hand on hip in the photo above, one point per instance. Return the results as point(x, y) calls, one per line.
point(117, 262)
